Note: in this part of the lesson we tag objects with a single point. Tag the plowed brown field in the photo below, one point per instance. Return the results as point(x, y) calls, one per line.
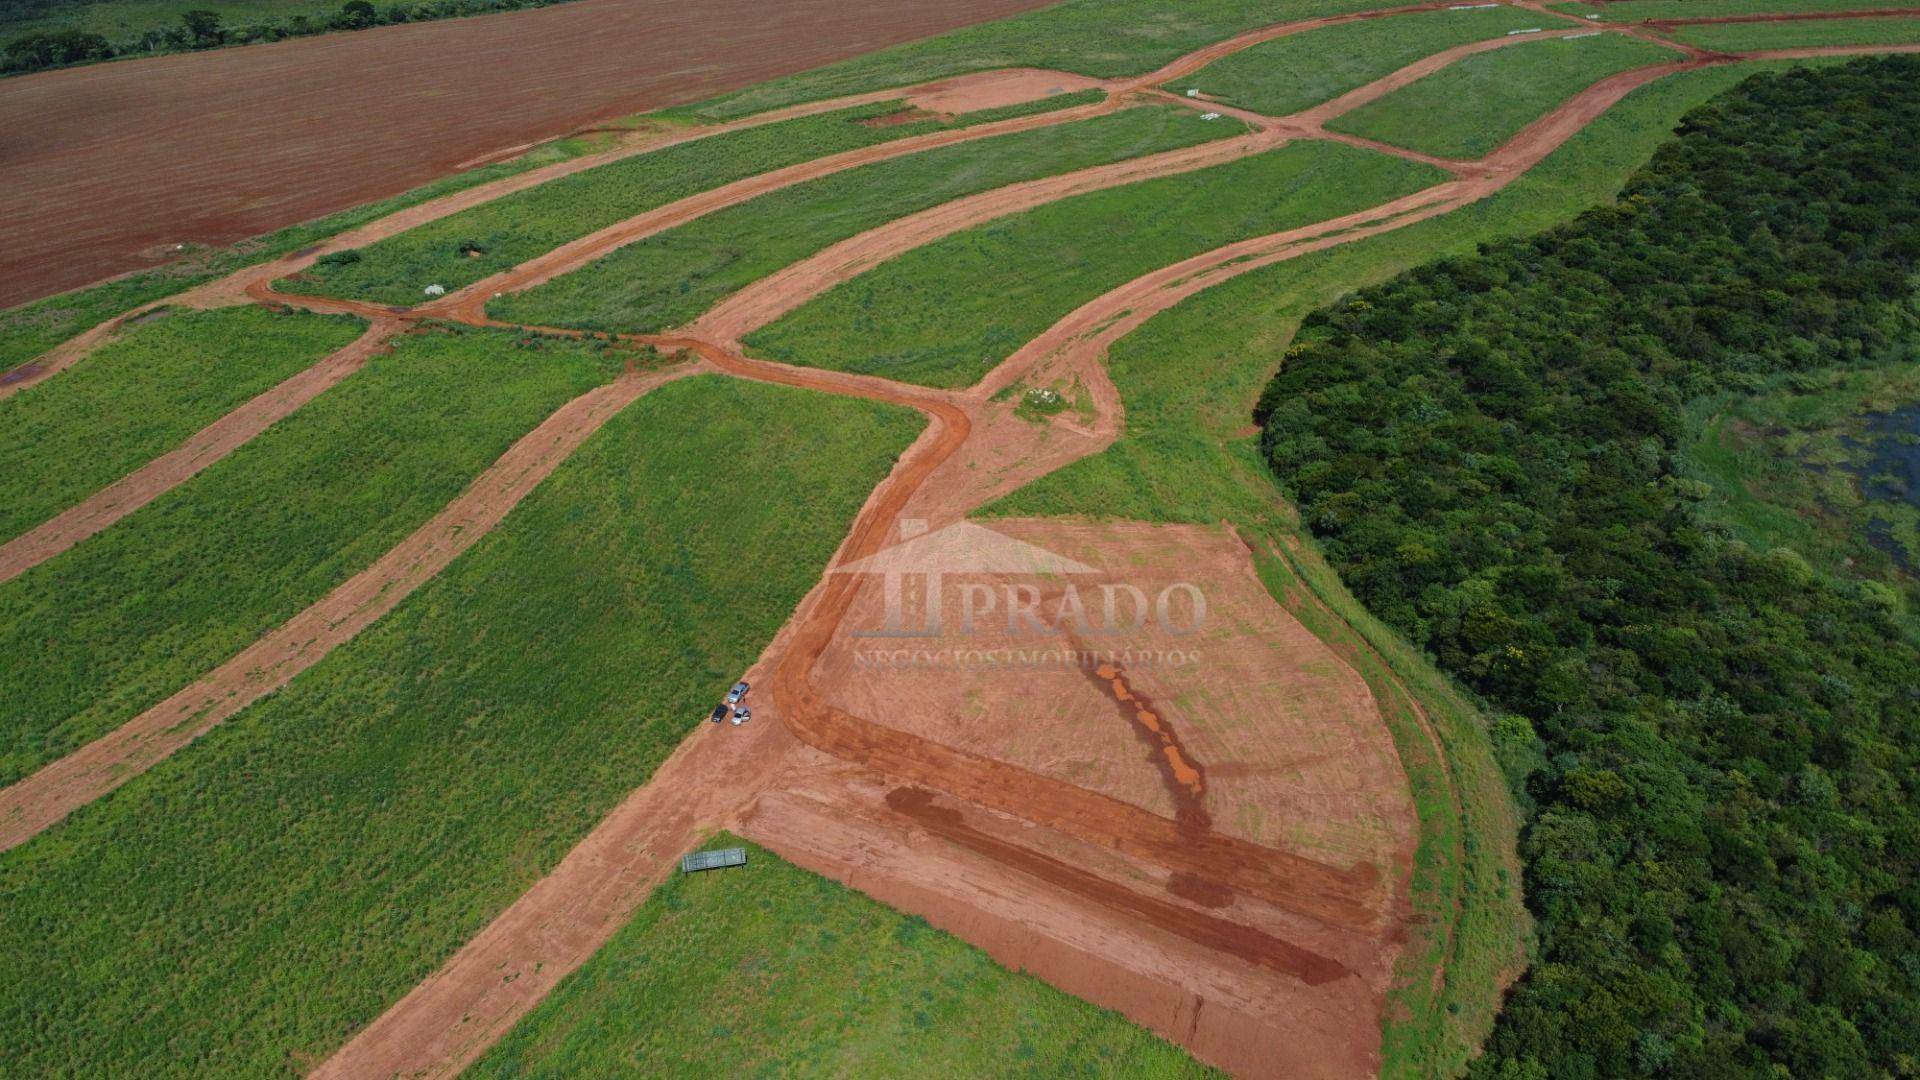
point(108, 166)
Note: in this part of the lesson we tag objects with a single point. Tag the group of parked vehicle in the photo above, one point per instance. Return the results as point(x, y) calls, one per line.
point(741, 714)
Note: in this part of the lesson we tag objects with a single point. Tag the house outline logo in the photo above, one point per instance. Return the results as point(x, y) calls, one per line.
point(964, 548)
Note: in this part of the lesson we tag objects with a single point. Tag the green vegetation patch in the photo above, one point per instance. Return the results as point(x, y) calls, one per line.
point(245, 906)
point(1824, 464)
point(946, 313)
point(668, 279)
point(1724, 768)
point(101, 632)
point(1288, 74)
point(1468, 109)
point(142, 395)
point(463, 248)
point(767, 969)
point(1741, 37)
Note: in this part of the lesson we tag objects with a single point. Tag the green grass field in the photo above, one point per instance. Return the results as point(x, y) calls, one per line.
point(1786, 468)
point(1740, 37)
point(1468, 109)
point(1636, 10)
point(1292, 73)
point(668, 279)
point(243, 907)
point(1189, 379)
point(115, 625)
point(768, 970)
point(465, 247)
point(944, 314)
point(142, 395)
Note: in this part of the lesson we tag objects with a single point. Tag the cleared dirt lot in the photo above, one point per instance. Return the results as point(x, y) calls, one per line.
point(1255, 913)
point(102, 168)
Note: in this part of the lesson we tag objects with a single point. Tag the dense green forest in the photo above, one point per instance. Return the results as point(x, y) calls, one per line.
point(1718, 746)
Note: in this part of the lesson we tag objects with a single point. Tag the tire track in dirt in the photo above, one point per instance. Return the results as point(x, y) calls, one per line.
point(1234, 939)
point(175, 467)
point(49, 795)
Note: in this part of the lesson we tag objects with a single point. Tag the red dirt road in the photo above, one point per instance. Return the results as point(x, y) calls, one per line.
point(106, 164)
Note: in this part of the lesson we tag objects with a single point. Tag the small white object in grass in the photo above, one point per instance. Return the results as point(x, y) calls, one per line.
point(1528, 30)
point(1209, 116)
point(1195, 92)
point(1589, 33)
point(1593, 16)
point(1470, 7)
point(436, 290)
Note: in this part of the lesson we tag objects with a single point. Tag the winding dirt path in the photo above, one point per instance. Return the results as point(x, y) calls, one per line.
point(44, 798)
point(177, 466)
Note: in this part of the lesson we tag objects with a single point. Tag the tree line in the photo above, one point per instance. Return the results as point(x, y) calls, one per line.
point(199, 29)
point(1717, 748)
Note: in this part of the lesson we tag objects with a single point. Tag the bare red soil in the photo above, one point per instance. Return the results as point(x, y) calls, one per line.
point(109, 166)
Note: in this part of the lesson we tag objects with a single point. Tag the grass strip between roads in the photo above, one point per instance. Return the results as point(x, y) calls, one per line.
point(302, 866)
point(768, 969)
point(142, 395)
point(1741, 37)
point(463, 248)
point(946, 313)
point(669, 279)
point(1288, 74)
point(102, 632)
point(1468, 109)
